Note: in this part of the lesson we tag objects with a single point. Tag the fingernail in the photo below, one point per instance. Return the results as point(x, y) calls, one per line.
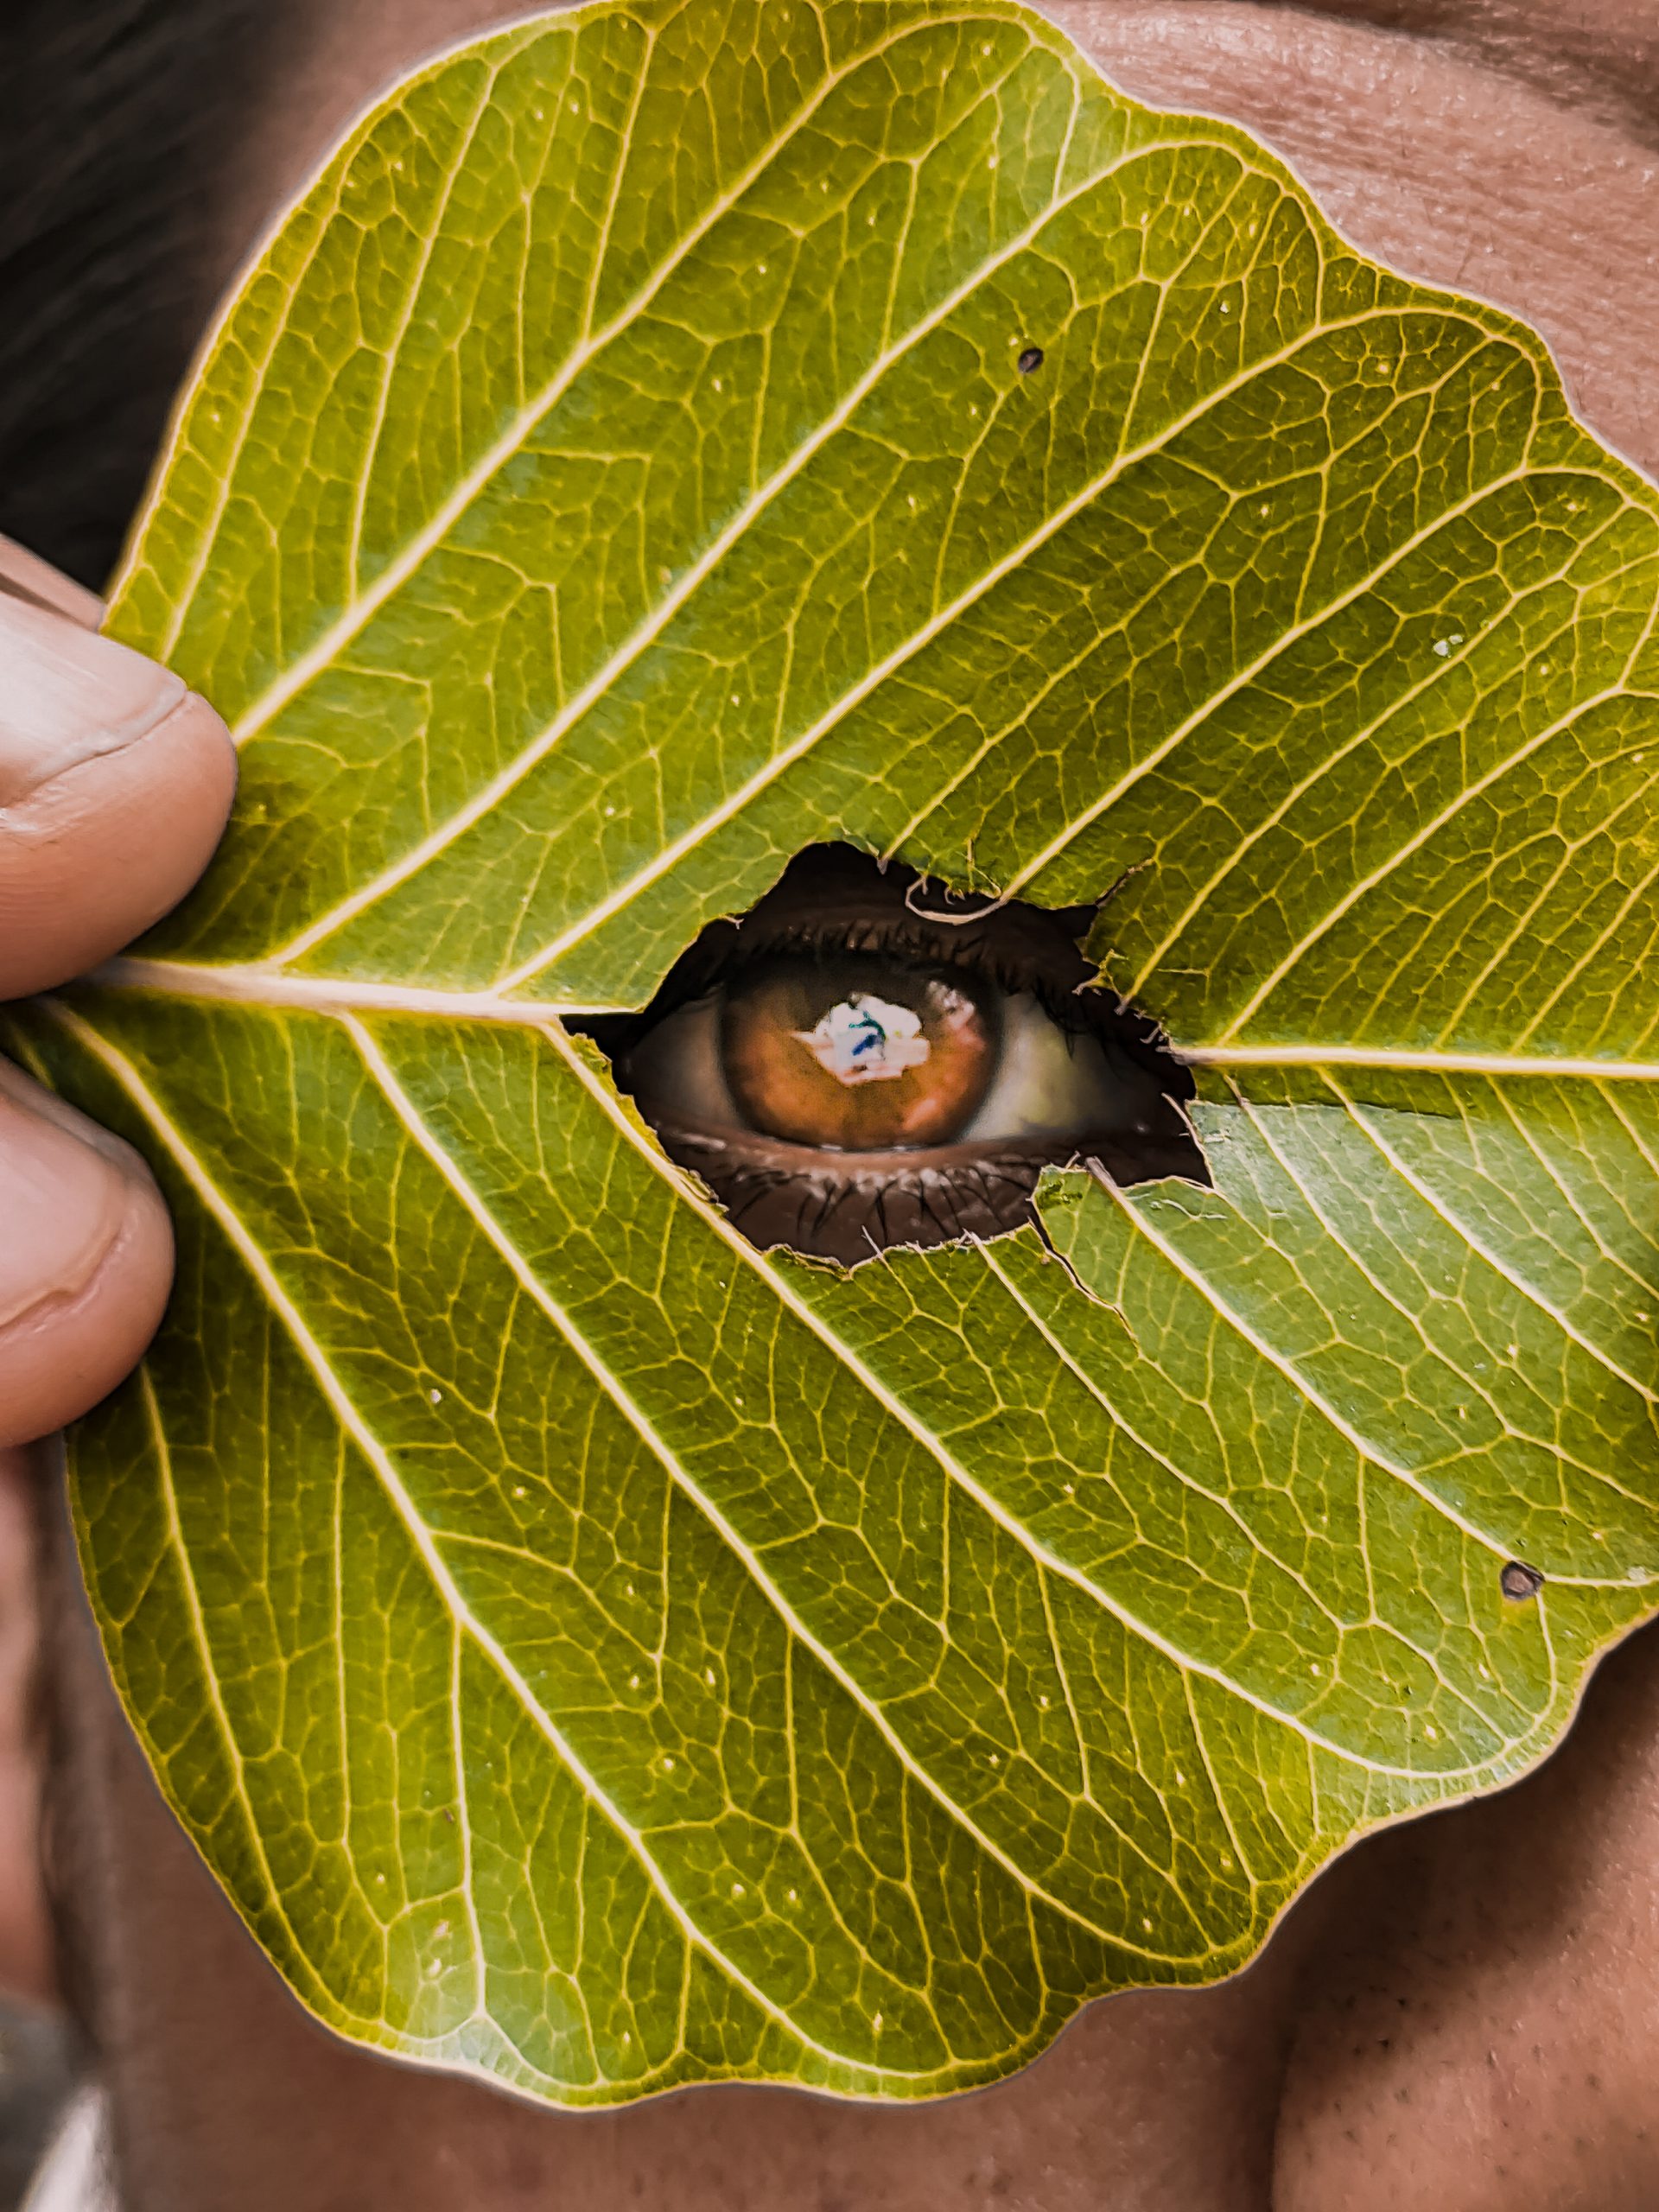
point(63, 1203)
point(68, 695)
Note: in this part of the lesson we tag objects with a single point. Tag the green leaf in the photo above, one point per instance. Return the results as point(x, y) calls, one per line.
point(590, 1652)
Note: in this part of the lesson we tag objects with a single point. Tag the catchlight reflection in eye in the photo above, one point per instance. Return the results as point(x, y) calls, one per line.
point(847, 1074)
point(855, 1051)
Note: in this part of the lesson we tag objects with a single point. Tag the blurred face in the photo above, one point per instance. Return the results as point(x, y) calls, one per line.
point(1462, 2014)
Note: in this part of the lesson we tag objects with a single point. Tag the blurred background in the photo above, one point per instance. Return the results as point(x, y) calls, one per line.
point(37, 2072)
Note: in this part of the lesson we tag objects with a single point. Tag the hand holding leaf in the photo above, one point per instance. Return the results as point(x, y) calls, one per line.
point(595, 1652)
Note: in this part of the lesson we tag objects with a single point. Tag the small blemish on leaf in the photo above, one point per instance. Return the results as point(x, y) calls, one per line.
point(1031, 358)
point(1520, 1581)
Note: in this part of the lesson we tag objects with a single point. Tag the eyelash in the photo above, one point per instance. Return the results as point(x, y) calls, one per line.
point(845, 1212)
point(902, 939)
point(851, 1206)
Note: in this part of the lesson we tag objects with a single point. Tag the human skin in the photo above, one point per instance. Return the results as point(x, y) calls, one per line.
point(1464, 2012)
point(115, 783)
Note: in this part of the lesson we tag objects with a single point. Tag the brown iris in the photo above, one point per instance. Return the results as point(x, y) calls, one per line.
point(856, 1054)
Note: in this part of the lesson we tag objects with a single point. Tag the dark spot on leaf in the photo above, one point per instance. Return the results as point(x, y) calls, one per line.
point(1518, 1580)
point(1030, 360)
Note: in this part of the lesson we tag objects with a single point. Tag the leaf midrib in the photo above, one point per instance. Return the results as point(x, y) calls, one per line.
point(439, 839)
point(1186, 1663)
point(346, 1412)
point(1045, 1560)
point(253, 984)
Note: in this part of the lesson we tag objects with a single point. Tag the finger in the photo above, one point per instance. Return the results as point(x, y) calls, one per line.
point(115, 781)
point(85, 1260)
point(26, 575)
point(26, 1964)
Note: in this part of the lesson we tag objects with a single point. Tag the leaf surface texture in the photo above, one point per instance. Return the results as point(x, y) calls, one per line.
point(596, 1654)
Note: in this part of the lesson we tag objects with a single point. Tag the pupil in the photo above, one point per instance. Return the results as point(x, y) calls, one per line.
point(856, 1054)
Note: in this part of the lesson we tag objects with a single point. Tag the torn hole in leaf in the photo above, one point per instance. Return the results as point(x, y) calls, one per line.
point(852, 1066)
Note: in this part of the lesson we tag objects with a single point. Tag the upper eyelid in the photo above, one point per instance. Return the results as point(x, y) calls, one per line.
point(895, 938)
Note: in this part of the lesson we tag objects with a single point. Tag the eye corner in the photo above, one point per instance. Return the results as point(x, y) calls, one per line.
point(855, 1128)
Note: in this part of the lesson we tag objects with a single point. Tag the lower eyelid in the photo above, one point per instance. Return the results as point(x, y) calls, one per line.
point(1053, 1091)
point(844, 1206)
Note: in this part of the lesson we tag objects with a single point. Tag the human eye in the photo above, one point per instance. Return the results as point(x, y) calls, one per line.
point(848, 1070)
